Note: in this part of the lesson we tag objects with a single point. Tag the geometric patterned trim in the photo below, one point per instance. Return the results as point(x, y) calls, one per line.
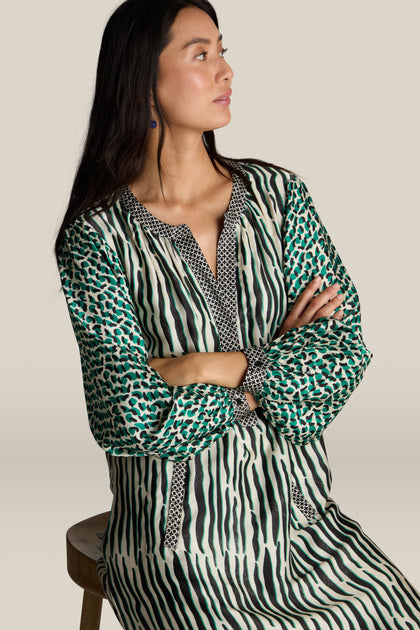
point(176, 501)
point(258, 365)
point(246, 417)
point(303, 505)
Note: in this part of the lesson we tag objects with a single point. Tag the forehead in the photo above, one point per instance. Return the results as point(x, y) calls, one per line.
point(192, 23)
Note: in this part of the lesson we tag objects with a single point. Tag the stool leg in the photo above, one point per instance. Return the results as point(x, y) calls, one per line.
point(91, 612)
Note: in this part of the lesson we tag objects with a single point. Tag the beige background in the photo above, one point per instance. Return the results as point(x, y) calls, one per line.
point(327, 88)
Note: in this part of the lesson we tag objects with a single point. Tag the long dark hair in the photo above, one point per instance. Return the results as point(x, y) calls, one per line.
point(113, 155)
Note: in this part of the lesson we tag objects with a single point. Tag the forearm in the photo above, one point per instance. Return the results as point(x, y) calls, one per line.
point(226, 369)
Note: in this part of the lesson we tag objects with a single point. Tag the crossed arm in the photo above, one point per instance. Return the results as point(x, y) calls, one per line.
point(228, 369)
point(175, 408)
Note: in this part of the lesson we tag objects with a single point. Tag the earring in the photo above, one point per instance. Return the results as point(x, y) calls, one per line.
point(153, 124)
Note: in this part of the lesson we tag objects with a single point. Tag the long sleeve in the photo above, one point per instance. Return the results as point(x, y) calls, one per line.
point(305, 376)
point(131, 409)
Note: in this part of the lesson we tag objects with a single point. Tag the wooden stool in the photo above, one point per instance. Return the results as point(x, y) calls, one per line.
point(84, 545)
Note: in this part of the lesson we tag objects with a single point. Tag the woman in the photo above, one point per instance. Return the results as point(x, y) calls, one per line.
point(219, 335)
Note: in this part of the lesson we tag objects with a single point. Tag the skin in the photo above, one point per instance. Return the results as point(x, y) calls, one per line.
point(191, 77)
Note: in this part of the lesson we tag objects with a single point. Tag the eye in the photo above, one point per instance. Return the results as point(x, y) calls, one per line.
point(201, 56)
point(223, 52)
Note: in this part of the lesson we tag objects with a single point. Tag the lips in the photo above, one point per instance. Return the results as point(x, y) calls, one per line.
point(223, 97)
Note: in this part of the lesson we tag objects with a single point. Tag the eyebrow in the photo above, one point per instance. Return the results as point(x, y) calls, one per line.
point(200, 40)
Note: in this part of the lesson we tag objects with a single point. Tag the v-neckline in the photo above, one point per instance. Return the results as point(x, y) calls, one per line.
point(182, 231)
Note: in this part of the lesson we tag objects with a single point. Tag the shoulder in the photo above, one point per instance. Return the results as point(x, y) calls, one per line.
point(91, 248)
point(269, 184)
point(265, 173)
point(92, 244)
point(276, 180)
point(267, 177)
point(101, 227)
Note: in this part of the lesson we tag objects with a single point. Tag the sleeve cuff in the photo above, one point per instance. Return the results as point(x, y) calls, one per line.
point(239, 402)
point(258, 365)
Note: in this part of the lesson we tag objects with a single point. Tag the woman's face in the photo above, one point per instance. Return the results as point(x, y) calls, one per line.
point(194, 80)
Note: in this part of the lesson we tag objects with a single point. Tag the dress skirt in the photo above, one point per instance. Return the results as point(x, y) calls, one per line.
point(260, 545)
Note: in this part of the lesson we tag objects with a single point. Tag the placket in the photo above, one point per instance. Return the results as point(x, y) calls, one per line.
point(221, 296)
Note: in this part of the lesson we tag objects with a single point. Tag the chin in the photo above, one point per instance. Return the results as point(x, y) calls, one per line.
point(222, 123)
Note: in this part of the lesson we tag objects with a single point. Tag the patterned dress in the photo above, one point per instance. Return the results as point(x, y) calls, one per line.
point(221, 517)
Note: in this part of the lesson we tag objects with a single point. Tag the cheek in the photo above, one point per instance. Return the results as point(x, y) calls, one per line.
point(196, 81)
point(174, 86)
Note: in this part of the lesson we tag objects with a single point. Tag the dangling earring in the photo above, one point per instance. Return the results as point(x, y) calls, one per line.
point(153, 124)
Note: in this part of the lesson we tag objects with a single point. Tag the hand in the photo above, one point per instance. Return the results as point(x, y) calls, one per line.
point(308, 308)
point(251, 401)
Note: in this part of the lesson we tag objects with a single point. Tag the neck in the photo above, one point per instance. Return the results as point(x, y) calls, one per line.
point(186, 169)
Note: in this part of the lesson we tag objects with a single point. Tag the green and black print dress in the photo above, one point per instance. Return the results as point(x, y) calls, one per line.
point(221, 517)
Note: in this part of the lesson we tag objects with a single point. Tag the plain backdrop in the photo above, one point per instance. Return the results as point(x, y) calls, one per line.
point(326, 88)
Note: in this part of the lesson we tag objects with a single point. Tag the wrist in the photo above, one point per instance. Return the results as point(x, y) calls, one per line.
point(234, 368)
point(226, 369)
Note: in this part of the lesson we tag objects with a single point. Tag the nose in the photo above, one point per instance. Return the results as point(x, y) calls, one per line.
point(225, 72)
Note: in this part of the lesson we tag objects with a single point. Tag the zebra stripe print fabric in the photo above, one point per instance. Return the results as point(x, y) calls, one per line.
point(222, 518)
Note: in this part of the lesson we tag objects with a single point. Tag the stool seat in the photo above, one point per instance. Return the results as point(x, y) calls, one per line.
point(84, 548)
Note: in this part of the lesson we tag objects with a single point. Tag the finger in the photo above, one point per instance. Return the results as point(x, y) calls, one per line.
point(329, 308)
point(322, 300)
point(306, 296)
point(339, 315)
point(252, 403)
